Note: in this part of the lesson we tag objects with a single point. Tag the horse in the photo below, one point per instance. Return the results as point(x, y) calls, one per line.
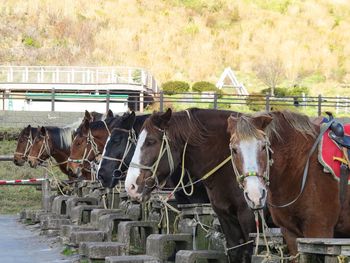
point(273, 159)
point(54, 142)
point(198, 138)
point(117, 154)
point(89, 142)
point(24, 143)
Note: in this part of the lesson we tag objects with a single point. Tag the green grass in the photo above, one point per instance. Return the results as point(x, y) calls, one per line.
point(13, 199)
point(69, 251)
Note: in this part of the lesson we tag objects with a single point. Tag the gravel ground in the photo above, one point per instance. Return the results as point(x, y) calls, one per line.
point(21, 243)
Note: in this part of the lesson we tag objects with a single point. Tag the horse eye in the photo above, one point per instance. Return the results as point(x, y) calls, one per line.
point(150, 142)
point(233, 149)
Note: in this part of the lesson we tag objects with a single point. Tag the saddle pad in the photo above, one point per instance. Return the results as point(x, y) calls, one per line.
point(327, 150)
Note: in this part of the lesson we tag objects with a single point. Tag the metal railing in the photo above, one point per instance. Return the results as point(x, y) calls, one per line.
point(77, 75)
point(141, 101)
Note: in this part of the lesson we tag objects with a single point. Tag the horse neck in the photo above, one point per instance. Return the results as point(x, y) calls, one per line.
point(289, 159)
point(215, 147)
point(60, 149)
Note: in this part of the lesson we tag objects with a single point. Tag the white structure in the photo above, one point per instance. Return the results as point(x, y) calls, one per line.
point(228, 79)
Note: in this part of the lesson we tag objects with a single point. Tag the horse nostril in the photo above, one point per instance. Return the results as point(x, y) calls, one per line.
point(263, 193)
point(132, 187)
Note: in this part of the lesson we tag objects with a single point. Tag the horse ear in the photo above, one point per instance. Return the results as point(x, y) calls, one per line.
point(164, 119)
point(129, 121)
point(85, 127)
point(262, 121)
point(42, 130)
point(87, 116)
point(109, 114)
point(231, 123)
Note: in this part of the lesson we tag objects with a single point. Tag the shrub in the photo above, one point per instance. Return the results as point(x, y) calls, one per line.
point(201, 86)
point(279, 92)
point(172, 87)
point(297, 91)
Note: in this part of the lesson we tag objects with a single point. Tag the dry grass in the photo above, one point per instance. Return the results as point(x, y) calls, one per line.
point(183, 39)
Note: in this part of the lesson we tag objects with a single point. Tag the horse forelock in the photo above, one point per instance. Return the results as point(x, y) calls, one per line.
point(245, 129)
point(183, 126)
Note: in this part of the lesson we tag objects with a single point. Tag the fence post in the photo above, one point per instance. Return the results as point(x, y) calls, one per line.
point(53, 99)
point(267, 106)
point(161, 101)
point(215, 101)
point(141, 101)
point(319, 106)
point(108, 99)
point(45, 194)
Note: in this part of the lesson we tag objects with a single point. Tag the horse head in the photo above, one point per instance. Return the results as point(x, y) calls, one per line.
point(117, 152)
point(24, 143)
point(41, 149)
point(154, 159)
point(250, 151)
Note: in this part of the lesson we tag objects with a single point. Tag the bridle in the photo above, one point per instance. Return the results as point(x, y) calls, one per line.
point(132, 140)
point(44, 147)
point(269, 161)
point(29, 145)
point(164, 148)
point(90, 139)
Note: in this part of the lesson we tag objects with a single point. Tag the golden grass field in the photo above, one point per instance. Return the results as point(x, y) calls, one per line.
point(189, 40)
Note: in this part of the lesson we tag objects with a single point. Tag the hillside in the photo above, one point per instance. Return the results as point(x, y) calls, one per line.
point(185, 39)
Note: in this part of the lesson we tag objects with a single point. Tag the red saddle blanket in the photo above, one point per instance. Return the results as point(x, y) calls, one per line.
point(327, 150)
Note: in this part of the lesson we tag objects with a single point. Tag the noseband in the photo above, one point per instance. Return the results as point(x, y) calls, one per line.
point(266, 176)
point(90, 140)
point(29, 145)
point(44, 147)
point(132, 140)
point(164, 148)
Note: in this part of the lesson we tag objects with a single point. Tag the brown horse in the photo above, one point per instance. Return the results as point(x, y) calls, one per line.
point(287, 138)
point(201, 135)
point(52, 142)
point(24, 143)
point(89, 142)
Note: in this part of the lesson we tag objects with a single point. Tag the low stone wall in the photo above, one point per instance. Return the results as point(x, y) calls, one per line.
point(20, 119)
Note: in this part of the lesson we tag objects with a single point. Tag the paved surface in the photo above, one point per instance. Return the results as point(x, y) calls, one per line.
point(23, 244)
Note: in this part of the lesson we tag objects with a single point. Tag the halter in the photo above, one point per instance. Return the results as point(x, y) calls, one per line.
point(44, 147)
point(132, 140)
point(266, 176)
point(90, 140)
point(29, 145)
point(164, 148)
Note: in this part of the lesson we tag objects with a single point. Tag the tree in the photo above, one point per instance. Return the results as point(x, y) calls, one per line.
point(271, 73)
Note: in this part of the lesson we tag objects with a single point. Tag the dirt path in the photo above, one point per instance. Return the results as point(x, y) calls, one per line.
point(20, 243)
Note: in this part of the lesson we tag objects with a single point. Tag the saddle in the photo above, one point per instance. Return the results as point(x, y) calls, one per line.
point(338, 136)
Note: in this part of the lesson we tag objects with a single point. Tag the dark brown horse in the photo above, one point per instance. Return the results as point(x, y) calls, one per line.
point(89, 142)
point(287, 138)
point(52, 142)
point(159, 151)
point(24, 144)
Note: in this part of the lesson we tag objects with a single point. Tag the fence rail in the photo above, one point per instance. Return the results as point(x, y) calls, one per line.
point(76, 100)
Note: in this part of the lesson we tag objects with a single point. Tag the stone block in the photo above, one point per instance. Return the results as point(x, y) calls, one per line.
point(59, 206)
point(77, 237)
point(100, 250)
point(165, 247)
point(135, 233)
point(66, 231)
point(81, 214)
point(191, 256)
point(98, 212)
point(132, 259)
point(74, 201)
point(109, 224)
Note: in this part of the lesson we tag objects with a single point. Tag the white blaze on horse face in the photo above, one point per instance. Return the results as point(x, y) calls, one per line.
point(254, 189)
point(134, 172)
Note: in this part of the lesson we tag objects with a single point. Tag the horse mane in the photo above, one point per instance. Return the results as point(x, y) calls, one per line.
point(296, 121)
point(184, 126)
point(61, 137)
